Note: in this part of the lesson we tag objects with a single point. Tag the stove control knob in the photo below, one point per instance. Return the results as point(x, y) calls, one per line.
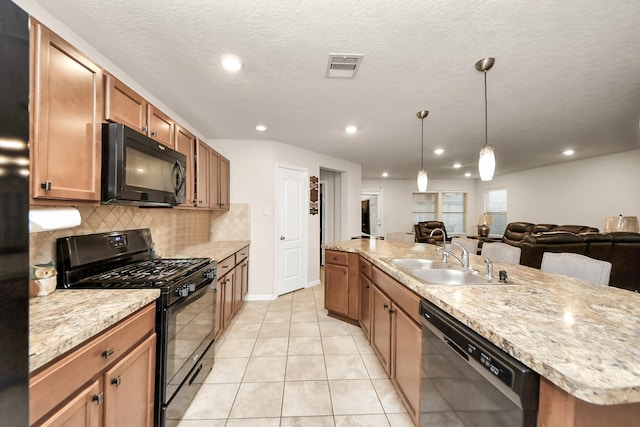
point(191, 287)
point(210, 274)
point(182, 291)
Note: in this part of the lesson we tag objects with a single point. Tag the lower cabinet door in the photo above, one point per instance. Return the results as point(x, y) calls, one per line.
point(407, 350)
point(336, 288)
point(381, 327)
point(364, 309)
point(129, 388)
point(85, 410)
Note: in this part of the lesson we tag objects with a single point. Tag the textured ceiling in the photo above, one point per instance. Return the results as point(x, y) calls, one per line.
point(567, 74)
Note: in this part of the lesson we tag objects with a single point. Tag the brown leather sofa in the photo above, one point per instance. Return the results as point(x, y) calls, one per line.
point(621, 249)
point(424, 228)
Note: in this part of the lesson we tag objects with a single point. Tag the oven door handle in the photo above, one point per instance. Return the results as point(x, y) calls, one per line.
point(198, 293)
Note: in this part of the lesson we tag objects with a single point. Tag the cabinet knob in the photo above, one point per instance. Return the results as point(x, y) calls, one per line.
point(391, 311)
point(154, 133)
point(116, 381)
point(145, 128)
point(46, 186)
point(368, 286)
point(282, 237)
point(98, 398)
point(385, 306)
point(107, 353)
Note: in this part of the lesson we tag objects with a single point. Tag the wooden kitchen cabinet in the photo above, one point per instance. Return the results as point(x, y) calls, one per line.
point(83, 410)
point(161, 127)
point(66, 104)
point(396, 337)
point(129, 391)
point(186, 144)
point(78, 388)
point(381, 327)
point(365, 295)
point(124, 105)
point(233, 284)
point(341, 288)
point(219, 176)
point(203, 175)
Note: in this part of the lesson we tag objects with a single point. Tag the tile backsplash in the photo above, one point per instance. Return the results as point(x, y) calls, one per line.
point(171, 229)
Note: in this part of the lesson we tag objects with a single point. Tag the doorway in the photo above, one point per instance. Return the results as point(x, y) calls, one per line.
point(292, 229)
point(371, 209)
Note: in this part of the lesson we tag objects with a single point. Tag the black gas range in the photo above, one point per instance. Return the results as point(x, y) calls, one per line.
point(185, 311)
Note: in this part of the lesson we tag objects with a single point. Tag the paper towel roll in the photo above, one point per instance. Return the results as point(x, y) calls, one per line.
point(46, 219)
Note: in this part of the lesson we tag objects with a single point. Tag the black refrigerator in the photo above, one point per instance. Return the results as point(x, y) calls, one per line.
point(14, 215)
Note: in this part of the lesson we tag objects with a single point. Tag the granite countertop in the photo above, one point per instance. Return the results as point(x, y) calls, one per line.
point(64, 319)
point(217, 250)
point(584, 338)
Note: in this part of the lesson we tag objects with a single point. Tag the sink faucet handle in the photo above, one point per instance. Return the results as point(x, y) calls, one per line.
point(489, 268)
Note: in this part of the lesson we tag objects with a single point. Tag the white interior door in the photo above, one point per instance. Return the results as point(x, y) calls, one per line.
point(292, 236)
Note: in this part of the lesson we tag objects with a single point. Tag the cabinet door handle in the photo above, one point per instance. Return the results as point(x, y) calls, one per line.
point(46, 186)
point(145, 128)
point(116, 381)
point(98, 398)
point(391, 311)
point(107, 353)
point(385, 306)
point(225, 266)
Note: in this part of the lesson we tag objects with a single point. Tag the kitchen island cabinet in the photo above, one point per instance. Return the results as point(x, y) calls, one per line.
point(66, 121)
point(547, 322)
point(101, 379)
point(341, 289)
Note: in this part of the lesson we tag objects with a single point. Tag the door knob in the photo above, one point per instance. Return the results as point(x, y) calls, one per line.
point(281, 237)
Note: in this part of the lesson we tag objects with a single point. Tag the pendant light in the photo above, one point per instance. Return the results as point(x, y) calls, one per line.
point(487, 160)
point(422, 173)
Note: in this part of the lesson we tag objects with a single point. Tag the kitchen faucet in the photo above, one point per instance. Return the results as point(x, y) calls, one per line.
point(444, 235)
point(464, 260)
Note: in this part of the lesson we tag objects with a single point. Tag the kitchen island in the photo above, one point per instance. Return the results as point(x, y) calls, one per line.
point(583, 339)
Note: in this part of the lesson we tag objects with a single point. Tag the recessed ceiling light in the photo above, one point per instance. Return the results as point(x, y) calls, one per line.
point(351, 129)
point(457, 165)
point(468, 174)
point(568, 152)
point(231, 63)
point(438, 151)
point(261, 128)
point(385, 174)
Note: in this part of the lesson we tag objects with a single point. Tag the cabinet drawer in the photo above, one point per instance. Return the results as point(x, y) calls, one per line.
point(242, 254)
point(365, 267)
point(226, 265)
point(336, 257)
point(51, 386)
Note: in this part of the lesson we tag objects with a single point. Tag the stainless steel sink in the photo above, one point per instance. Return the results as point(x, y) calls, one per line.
point(448, 276)
point(417, 263)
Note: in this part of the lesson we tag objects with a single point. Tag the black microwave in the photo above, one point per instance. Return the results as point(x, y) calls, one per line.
point(136, 170)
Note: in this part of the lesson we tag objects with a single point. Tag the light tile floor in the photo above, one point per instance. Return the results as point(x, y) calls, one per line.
point(285, 363)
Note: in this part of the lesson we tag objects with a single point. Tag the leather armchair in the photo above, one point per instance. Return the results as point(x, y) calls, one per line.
point(516, 231)
point(424, 228)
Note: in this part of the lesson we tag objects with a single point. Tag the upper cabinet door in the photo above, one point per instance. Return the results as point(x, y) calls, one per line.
point(161, 127)
point(123, 105)
point(203, 192)
point(67, 113)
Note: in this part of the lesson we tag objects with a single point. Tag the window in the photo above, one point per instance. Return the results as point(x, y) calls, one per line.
point(425, 207)
point(453, 211)
point(495, 204)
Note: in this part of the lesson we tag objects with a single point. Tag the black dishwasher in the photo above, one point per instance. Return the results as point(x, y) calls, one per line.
point(467, 381)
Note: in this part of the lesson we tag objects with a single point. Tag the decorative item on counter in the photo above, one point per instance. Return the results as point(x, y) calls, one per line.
point(621, 223)
point(483, 223)
point(313, 195)
point(42, 279)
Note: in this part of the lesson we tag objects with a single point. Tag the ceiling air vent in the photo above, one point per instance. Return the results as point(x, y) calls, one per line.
point(343, 66)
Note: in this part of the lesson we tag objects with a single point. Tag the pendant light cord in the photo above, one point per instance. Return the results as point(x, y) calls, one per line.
point(486, 132)
point(422, 152)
